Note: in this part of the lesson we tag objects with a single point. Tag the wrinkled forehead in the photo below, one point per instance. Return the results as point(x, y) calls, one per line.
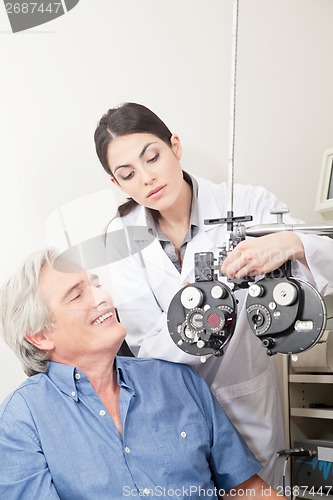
point(56, 282)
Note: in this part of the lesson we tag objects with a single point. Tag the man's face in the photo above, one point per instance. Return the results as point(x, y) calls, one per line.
point(84, 320)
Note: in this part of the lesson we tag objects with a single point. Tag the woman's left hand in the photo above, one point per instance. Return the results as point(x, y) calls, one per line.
point(256, 256)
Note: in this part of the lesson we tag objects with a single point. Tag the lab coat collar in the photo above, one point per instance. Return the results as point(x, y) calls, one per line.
point(207, 208)
point(207, 205)
point(153, 252)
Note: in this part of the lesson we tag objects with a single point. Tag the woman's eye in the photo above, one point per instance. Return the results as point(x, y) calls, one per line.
point(153, 159)
point(127, 177)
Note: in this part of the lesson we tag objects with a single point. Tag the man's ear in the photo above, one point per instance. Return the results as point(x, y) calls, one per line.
point(40, 340)
point(176, 146)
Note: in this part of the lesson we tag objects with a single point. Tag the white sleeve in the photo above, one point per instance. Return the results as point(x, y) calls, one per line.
point(319, 256)
point(318, 249)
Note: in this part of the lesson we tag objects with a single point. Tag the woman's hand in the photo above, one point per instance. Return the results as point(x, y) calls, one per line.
point(256, 256)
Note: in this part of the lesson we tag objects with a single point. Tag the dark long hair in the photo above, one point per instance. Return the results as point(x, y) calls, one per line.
point(128, 118)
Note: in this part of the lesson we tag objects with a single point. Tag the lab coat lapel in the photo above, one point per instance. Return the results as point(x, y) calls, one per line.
point(155, 259)
point(205, 240)
point(201, 243)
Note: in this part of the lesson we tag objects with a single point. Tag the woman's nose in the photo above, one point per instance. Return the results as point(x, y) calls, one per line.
point(148, 177)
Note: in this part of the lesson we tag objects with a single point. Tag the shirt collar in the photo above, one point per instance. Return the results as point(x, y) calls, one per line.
point(123, 378)
point(194, 221)
point(65, 376)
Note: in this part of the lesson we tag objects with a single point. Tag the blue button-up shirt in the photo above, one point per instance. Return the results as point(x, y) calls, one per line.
point(57, 439)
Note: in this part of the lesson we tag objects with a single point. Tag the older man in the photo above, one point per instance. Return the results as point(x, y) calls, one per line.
point(88, 424)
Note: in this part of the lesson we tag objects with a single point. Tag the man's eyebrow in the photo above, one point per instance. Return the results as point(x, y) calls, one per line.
point(92, 278)
point(144, 149)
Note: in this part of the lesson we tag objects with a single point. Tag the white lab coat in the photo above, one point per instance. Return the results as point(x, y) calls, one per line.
point(244, 379)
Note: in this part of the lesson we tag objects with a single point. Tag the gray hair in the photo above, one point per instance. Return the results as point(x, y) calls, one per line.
point(23, 311)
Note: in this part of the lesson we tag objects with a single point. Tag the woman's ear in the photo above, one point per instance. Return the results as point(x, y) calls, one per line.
point(116, 183)
point(176, 146)
point(40, 340)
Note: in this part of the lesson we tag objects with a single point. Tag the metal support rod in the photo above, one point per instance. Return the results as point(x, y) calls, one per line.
point(231, 158)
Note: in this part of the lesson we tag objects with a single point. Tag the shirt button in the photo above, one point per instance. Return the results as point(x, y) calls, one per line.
point(77, 376)
point(183, 434)
point(102, 413)
point(127, 449)
point(146, 491)
point(73, 394)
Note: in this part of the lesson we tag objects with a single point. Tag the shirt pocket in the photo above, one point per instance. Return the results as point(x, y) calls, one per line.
point(183, 446)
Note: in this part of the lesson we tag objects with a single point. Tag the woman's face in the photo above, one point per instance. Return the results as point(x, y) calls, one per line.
point(147, 169)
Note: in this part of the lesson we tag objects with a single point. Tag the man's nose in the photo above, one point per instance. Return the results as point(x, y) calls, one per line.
point(100, 297)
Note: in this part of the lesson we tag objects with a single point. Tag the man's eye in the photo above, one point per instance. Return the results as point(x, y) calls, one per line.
point(75, 297)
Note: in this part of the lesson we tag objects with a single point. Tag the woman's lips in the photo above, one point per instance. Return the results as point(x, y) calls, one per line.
point(156, 193)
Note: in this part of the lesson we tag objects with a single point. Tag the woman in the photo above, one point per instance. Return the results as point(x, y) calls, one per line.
point(152, 243)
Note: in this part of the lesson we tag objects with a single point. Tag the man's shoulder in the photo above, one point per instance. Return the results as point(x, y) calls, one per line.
point(157, 368)
point(18, 399)
point(152, 364)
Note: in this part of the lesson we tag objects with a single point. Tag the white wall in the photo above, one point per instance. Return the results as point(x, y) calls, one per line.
point(174, 57)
